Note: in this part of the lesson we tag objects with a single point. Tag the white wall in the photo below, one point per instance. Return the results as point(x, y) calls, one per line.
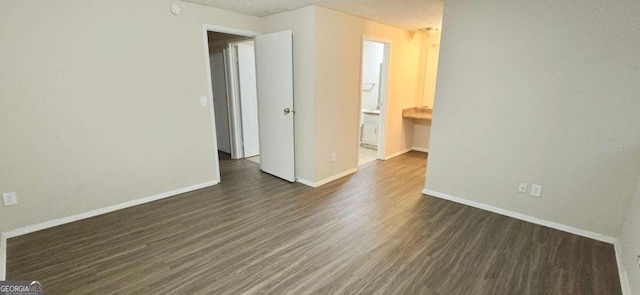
point(372, 57)
point(219, 85)
point(431, 47)
point(303, 25)
point(100, 100)
point(544, 92)
point(327, 48)
point(99, 103)
point(630, 244)
point(339, 47)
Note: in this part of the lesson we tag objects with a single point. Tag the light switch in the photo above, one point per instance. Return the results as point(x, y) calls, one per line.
point(203, 101)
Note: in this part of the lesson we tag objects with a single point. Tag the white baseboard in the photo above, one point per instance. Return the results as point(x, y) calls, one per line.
point(305, 182)
point(516, 215)
point(420, 149)
point(622, 271)
point(326, 180)
point(92, 213)
point(3, 257)
point(397, 154)
point(44, 225)
point(624, 280)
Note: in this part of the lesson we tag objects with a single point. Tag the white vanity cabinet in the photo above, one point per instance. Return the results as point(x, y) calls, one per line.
point(369, 134)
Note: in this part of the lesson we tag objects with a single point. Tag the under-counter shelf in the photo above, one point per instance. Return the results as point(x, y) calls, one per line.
point(417, 113)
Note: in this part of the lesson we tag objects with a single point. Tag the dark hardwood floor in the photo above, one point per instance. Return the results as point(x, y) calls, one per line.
point(372, 232)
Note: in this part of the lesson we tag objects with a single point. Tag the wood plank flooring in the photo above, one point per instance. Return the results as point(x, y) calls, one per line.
point(372, 232)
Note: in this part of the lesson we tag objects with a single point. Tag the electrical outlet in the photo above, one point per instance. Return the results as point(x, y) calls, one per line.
point(333, 157)
point(536, 190)
point(203, 101)
point(9, 199)
point(522, 188)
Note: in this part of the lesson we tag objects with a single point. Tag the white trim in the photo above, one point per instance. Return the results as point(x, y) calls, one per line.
point(44, 225)
point(3, 257)
point(384, 97)
point(516, 215)
point(326, 180)
point(360, 115)
point(397, 154)
point(228, 30)
point(384, 94)
point(233, 100)
point(305, 182)
point(420, 149)
point(212, 116)
point(332, 178)
point(375, 39)
point(622, 271)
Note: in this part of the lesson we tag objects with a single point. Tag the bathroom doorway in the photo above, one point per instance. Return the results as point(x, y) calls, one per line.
point(373, 95)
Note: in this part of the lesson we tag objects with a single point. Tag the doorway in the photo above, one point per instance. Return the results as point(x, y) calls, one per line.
point(251, 97)
point(373, 96)
point(233, 87)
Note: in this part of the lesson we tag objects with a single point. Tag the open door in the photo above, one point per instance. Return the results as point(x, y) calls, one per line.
point(248, 98)
point(274, 81)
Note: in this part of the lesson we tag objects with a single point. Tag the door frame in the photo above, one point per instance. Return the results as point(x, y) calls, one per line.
point(233, 100)
point(240, 100)
point(226, 30)
point(383, 89)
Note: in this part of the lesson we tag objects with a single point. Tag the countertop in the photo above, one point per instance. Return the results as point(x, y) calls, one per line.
point(417, 113)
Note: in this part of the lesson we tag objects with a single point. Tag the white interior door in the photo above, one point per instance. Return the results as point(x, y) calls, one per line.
point(274, 77)
point(219, 91)
point(248, 98)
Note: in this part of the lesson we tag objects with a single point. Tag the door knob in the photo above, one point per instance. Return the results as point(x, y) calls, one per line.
point(288, 110)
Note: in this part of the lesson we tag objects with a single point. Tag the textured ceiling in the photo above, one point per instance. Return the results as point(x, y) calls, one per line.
point(406, 14)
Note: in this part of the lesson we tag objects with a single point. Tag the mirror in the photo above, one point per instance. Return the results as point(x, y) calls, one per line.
point(432, 45)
